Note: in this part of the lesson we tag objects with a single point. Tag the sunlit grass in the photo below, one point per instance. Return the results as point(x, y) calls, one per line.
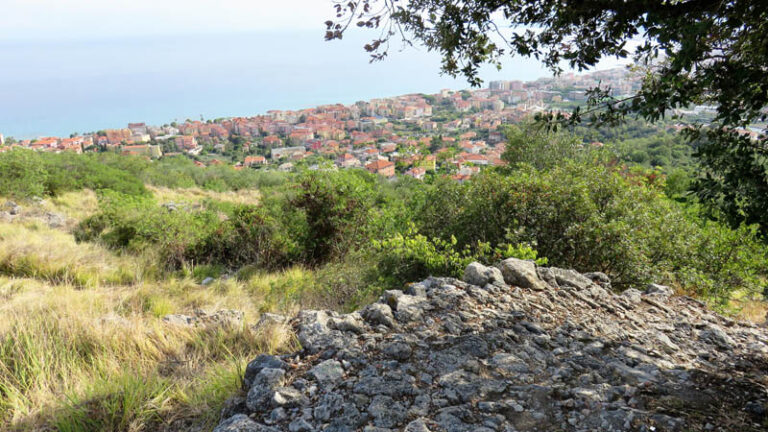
point(33, 250)
point(83, 346)
point(197, 195)
point(103, 359)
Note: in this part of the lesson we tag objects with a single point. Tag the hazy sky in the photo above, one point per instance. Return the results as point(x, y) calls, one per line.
point(44, 19)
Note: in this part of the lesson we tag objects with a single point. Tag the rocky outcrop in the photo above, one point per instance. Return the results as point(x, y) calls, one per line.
point(224, 317)
point(561, 354)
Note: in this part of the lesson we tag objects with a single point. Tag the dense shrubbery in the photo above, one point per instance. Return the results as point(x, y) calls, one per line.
point(586, 217)
point(27, 174)
point(593, 218)
point(578, 209)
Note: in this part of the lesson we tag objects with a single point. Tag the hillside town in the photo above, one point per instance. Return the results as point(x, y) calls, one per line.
point(452, 132)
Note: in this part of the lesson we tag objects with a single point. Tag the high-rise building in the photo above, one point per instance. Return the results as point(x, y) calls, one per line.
point(2, 139)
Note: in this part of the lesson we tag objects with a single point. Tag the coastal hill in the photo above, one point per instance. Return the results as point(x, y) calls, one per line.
point(511, 348)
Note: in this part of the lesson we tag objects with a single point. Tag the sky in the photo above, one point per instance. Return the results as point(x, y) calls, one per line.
point(46, 19)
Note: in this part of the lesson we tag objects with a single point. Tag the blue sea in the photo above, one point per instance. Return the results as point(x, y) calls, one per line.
point(59, 87)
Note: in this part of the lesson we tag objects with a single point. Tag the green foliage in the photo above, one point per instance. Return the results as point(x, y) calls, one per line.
point(362, 234)
point(68, 172)
point(591, 219)
point(250, 236)
point(21, 174)
point(135, 223)
point(539, 147)
point(334, 209)
point(411, 256)
point(733, 181)
point(703, 52)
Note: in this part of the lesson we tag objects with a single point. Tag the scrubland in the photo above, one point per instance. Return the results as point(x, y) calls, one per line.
point(91, 263)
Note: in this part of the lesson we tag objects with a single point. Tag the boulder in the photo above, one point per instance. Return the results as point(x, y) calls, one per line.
point(480, 275)
point(521, 273)
point(662, 290)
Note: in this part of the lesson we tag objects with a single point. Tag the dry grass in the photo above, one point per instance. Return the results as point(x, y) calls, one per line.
point(83, 346)
point(754, 311)
point(101, 358)
point(33, 250)
point(197, 195)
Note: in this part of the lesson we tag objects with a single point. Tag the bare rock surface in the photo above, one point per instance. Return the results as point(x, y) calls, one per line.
point(224, 317)
point(562, 354)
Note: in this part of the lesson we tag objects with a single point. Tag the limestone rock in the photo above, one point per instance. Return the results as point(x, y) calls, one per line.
point(521, 273)
point(446, 355)
point(480, 275)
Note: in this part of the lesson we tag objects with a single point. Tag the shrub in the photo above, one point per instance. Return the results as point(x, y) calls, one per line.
point(22, 174)
point(249, 237)
point(412, 256)
point(593, 218)
point(69, 172)
point(335, 210)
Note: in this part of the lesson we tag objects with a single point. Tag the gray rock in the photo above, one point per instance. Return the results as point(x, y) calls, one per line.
point(351, 322)
point(398, 350)
point(261, 362)
point(570, 278)
point(494, 358)
point(288, 397)
point(300, 425)
point(179, 320)
point(480, 275)
point(12, 208)
point(417, 425)
point(715, 335)
point(521, 273)
point(666, 344)
point(416, 290)
point(207, 281)
point(262, 388)
point(659, 289)
point(54, 220)
point(386, 412)
point(267, 319)
point(327, 372)
point(241, 423)
point(632, 295)
point(379, 313)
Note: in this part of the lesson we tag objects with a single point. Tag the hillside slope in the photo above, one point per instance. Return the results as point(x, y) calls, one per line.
point(516, 348)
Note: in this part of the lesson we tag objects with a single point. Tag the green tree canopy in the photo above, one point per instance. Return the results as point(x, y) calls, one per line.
point(690, 52)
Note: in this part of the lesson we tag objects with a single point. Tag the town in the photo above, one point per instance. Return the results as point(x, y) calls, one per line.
point(456, 133)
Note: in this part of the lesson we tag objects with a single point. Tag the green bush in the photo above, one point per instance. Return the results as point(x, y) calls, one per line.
point(136, 223)
point(595, 219)
point(335, 211)
point(21, 174)
point(68, 172)
point(409, 257)
point(250, 236)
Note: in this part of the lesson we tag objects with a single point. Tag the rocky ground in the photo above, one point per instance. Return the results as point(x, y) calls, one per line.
point(513, 348)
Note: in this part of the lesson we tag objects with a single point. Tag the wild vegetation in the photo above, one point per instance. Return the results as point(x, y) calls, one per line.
point(83, 345)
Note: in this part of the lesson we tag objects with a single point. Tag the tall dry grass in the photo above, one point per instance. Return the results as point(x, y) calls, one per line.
point(83, 346)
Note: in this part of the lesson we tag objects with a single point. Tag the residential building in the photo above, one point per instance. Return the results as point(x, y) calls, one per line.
point(381, 167)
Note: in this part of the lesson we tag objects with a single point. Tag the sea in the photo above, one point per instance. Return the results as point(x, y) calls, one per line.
point(63, 86)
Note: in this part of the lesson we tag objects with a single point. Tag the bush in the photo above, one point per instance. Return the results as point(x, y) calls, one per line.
point(249, 237)
point(411, 256)
point(594, 219)
point(136, 223)
point(69, 172)
point(335, 210)
point(21, 174)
